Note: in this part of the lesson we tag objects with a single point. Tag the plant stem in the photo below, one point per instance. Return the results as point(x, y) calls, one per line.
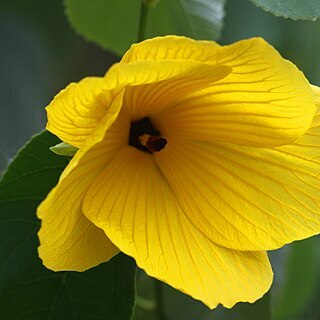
point(159, 300)
point(145, 304)
point(143, 20)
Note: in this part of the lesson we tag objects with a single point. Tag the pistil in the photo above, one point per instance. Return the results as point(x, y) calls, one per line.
point(152, 143)
point(145, 137)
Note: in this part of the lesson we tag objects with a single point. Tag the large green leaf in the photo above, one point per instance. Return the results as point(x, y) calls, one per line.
point(113, 24)
point(28, 291)
point(294, 9)
point(199, 19)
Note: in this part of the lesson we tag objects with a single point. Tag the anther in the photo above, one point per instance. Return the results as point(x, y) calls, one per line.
point(152, 143)
point(145, 137)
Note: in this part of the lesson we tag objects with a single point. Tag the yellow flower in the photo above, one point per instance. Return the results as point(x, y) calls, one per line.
point(194, 159)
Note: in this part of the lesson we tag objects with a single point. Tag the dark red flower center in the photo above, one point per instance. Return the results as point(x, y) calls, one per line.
point(145, 137)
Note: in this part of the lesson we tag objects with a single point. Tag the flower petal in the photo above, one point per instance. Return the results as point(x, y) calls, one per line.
point(265, 101)
point(76, 111)
point(171, 47)
point(316, 93)
point(133, 204)
point(248, 198)
point(146, 72)
point(68, 240)
point(162, 84)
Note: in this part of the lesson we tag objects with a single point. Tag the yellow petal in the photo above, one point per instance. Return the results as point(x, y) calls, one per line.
point(146, 72)
point(171, 47)
point(265, 101)
point(76, 111)
point(248, 198)
point(316, 93)
point(133, 204)
point(68, 240)
point(153, 86)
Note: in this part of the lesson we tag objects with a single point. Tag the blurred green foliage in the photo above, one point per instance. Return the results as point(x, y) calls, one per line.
point(97, 20)
point(40, 54)
point(294, 9)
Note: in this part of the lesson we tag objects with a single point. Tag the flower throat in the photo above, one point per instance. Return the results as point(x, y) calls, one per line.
point(145, 137)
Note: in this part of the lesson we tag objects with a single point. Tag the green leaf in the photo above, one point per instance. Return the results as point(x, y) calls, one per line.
point(113, 24)
point(29, 291)
point(64, 149)
point(198, 19)
point(294, 9)
point(302, 279)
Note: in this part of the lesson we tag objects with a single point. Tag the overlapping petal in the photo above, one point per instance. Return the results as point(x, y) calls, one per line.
point(248, 198)
point(68, 240)
point(147, 95)
point(146, 72)
point(76, 111)
point(316, 93)
point(171, 48)
point(265, 100)
point(134, 205)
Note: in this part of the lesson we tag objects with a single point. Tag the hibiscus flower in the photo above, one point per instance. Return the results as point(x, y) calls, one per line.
point(194, 159)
